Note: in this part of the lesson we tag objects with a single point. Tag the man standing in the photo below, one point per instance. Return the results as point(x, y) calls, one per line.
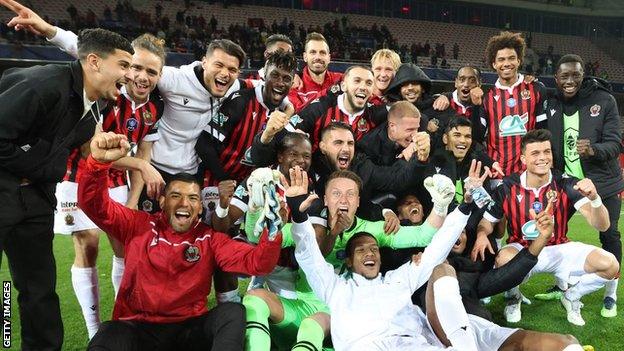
point(47, 111)
point(584, 118)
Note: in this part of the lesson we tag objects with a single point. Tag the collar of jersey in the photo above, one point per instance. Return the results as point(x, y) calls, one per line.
point(341, 107)
point(457, 102)
point(135, 107)
point(511, 88)
point(523, 182)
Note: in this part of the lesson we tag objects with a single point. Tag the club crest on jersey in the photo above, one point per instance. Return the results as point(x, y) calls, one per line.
point(148, 118)
point(220, 119)
point(525, 94)
point(69, 219)
point(362, 125)
point(335, 88)
point(191, 254)
point(246, 160)
point(132, 124)
point(511, 102)
point(551, 195)
point(594, 111)
point(529, 230)
point(513, 125)
point(295, 119)
point(147, 206)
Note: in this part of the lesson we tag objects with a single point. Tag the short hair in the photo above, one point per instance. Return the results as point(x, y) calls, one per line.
point(387, 54)
point(505, 40)
point(402, 109)
point(335, 125)
point(291, 138)
point(229, 47)
point(183, 177)
point(101, 42)
point(457, 122)
point(152, 44)
point(282, 59)
point(570, 58)
point(534, 136)
point(350, 247)
point(476, 70)
point(314, 36)
point(277, 38)
point(350, 68)
point(343, 173)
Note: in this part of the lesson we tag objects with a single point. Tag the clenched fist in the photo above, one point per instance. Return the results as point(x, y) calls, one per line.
point(109, 147)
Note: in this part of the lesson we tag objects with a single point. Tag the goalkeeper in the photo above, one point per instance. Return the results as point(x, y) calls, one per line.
point(304, 321)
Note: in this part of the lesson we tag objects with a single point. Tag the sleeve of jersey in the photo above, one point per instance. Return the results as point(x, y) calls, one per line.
point(494, 212)
point(408, 236)
point(110, 216)
point(66, 41)
point(264, 155)
point(541, 121)
point(306, 118)
point(574, 197)
point(319, 274)
point(439, 248)
point(238, 257)
point(611, 144)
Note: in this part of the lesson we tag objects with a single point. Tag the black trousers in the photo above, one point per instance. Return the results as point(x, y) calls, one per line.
point(26, 233)
point(222, 328)
point(610, 239)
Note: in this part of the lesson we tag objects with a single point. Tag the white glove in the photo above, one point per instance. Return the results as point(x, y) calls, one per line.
point(442, 191)
point(255, 183)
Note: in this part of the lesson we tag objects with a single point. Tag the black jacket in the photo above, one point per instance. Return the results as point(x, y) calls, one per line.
point(379, 148)
point(599, 121)
point(40, 123)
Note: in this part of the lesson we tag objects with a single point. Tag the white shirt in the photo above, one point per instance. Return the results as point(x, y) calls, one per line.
point(376, 314)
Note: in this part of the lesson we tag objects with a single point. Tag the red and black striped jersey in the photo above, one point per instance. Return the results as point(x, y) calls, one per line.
point(513, 199)
point(330, 108)
point(459, 108)
point(508, 114)
point(232, 129)
point(137, 122)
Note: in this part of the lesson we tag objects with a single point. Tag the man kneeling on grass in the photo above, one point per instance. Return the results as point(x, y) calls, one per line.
point(375, 312)
point(170, 260)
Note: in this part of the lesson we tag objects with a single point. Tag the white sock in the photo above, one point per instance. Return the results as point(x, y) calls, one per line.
point(587, 284)
point(573, 347)
point(85, 283)
point(117, 272)
point(228, 296)
point(499, 242)
point(611, 289)
point(562, 284)
point(452, 314)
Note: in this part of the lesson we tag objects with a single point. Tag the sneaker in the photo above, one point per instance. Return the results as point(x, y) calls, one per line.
point(609, 308)
point(573, 308)
point(552, 294)
point(513, 314)
point(525, 300)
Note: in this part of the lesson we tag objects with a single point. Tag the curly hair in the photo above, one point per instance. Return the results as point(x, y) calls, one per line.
point(281, 59)
point(505, 40)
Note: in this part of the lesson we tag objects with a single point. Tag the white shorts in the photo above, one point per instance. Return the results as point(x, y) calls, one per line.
point(68, 217)
point(562, 260)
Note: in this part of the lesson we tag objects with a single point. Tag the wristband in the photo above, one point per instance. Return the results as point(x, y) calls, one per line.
point(221, 212)
point(386, 211)
point(597, 202)
point(294, 203)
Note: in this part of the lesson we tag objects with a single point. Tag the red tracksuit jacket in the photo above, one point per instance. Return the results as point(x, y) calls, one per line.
point(168, 275)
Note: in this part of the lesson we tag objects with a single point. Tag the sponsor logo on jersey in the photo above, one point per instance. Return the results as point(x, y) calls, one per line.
point(241, 192)
point(529, 230)
point(295, 119)
point(513, 125)
point(220, 119)
point(246, 160)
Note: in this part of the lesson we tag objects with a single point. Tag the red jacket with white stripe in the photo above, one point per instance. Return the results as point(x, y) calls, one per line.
point(167, 275)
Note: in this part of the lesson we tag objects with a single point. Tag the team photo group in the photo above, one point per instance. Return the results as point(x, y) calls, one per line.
point(364, 211)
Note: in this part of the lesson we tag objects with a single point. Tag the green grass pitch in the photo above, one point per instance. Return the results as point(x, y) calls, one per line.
point(603, 334)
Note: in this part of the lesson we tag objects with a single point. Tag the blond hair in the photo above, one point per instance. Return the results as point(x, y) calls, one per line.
point(387, 54)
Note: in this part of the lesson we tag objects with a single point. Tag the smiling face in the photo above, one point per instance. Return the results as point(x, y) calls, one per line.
point(458, 141)
point(297, 153)
point(277, 84)
point(146, 68)
point(538, 158)
point(466, 80)
point(181, 205)
point(110, 73)
point(220, 71)
point(316, 56)
point(411, 209)
point(401, 130)
point(342, 194)
point(506, 64)
point(338, 146)
point(383, 71)
point(569, 78)
point(358, 88)
point(365, 259)
point(411, 91)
